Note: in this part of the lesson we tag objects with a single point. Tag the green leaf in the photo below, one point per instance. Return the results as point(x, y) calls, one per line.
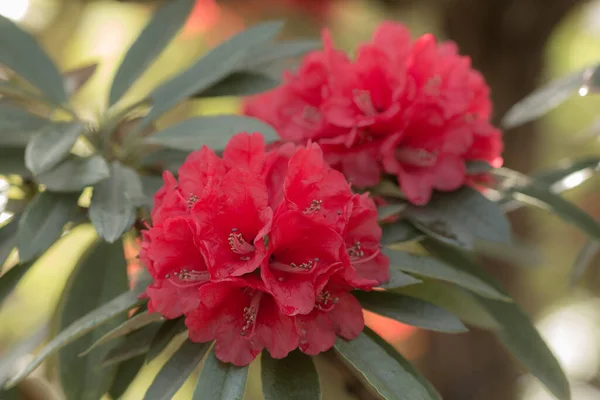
point(18, 125)
point(135, 344)
point(410, 311)
point(126, 373)
point(51, 145)
point(242, 83)
point(585, 257)
point(212, 131)
point(566, 169)
point(75, 174)
point(399, 231)
point(110, 309)
point(390, 210)
point(163, 337)
point(545, 99)
point(150, 185)
point(220, 381)
point(155, 37)
point(399, 279)
point(76, 78)
point(517, 332)
point(100, 275)
point(20, 52)
point(113, 205)
point(390, 378)
point(477, 167)
point(293, 377)
point(12, 161)
point(433, 268)
point(8, 238)
point(174, 373)
point(11, 278)
point(132, 324)
point(165, 159)
point(460, 217)
point(210, 69)
point(268, 53)
point(42, 222)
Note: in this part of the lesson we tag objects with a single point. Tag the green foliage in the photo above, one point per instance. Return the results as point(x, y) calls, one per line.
point(221, 381)
point(293, 377)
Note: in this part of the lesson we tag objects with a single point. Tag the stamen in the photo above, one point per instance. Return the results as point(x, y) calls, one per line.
point(355, 252)
point(362, 99)
point(417, 157)
point(431, 87)
point(315, 205)
point(192, 200)
point(293, 267)
point(187, 278)
point(325, 301)
point(239, 245)
point(250, 314)
point(356, 255)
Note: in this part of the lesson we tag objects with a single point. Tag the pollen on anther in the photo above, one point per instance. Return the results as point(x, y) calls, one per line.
point(315, 205)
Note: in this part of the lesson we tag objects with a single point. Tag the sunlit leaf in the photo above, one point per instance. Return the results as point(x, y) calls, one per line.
point(212, 131)
point(293, 377)
point(391, 379)
point(433, 268)
point(410, 311)
point(20, 52)
point(75, 174)
point(8, 238)
point(42, 222)
point(174, 373)
point(220, 381)
point(163, 337)
point(126, 373)
point(100, 275)
point(75, 79)
point(51, 145)
point(584, 259)
point(158, 33)
point(568, 173)
point(243, 83)
point(10, 279)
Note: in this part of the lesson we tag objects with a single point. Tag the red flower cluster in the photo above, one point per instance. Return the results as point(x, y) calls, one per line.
point(413, 109)
point(261, 249)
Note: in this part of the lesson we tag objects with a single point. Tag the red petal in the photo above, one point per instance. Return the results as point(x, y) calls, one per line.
point(316, 332)
point(347, 317)
point(245, 151)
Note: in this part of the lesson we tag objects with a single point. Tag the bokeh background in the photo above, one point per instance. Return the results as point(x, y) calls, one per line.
point(516, 44)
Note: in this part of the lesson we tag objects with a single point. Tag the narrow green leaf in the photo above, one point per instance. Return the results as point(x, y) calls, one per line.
point(174, 373)
point(100, 275)
point(585, 257)
point(390, 378)
point(399, 279)
point(399, 231)
point(155, 37)
point(210, 69)
point(18, 125)
point(150, 185)
point(116, 306)
point(165, 159)
point(12, 161)
point(76, 78)
point(460, 217)
point(545, 98)
point(126, 373)
point(220, 381)
point(51, 145)
point(567, 168)
point(242, 83)
point(42, 223)
point(8, 238)
point(212, 131)
point(272, 52)
point(477, 167)
point(390, 210)
point(132, 324)
point(11, 278)
point(137, 343)
point(113, 206)
point(20, 52)
point(293, 377)
point(75, 174)
point(517, 332)
point(410, 311)
point(433, 268)
point(163, 337)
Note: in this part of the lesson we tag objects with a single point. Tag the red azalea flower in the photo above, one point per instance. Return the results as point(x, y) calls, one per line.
point(413, 109)
point(260, 249)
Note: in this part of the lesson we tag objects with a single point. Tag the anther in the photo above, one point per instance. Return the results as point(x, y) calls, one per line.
point(315, 205)
point(192, 200)
point(250, 314)
point(238, 245)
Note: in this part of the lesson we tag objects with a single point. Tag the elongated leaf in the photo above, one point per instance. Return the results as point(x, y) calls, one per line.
point(517, 331)
point(212, 131)
point(399, 279)
point(410, 311)
point(585, 257)
point(76, 78)
point(100, 275)
point(150, 185)
point(116, 306)
point(163, 337)
point(8, 238)
point(126, 373)
point(174, 373)
point(12, 161)
point(210, 69)
point(220, 381)
point(75, 174)
point(270, 52)
point(113, 206)
point(478, 167)
point(399, 231)
point(18, 125)
point(165, 159)
point(433, 268)
point(391, 379)
point(20, 52)
point(10, 279)
point(390, 210)
point(293, 377)
point(51, 145)
point(42, 223)
point(243, 83)
point(155, 37)
point(135, 344)
point(566, 169)
point(545, 99)
point(460, 217)
point(132, 324)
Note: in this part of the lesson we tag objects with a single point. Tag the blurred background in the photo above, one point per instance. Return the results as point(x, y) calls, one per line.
point(516, 44)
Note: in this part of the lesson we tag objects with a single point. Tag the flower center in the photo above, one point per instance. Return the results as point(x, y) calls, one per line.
point(315, 205)
point(238, 245)
point(187, 278)
point(357, 254)
point(192, 200)
point(302, 268)
point(250, 314)
point(362, 99)
point(325, 301)
point(416, 157)
point(310, 118)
